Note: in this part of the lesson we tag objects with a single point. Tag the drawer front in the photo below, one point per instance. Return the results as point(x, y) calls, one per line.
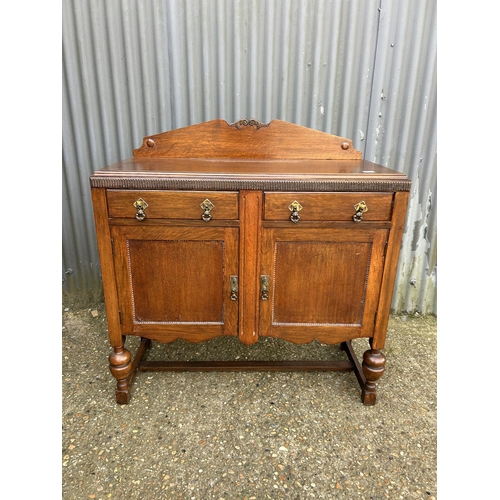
point(328, 206)
point(173, 204)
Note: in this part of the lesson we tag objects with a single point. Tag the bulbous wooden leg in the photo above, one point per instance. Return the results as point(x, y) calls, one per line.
point(120, 365)
point(373, 368)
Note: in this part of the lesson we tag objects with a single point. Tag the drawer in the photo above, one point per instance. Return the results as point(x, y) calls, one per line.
point(173, 204)
point(327, 206)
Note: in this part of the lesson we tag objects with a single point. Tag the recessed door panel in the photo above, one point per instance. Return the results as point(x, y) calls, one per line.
point(311, 285)
point(177, 281)
point(323, 283)
point(174, 282)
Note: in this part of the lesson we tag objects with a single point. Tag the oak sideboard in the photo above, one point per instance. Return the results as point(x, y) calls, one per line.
point(249, 230)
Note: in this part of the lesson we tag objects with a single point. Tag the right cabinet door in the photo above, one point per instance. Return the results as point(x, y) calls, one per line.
point(320, 283)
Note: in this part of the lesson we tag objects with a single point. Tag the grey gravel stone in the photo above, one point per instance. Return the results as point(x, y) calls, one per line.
point(245, 435)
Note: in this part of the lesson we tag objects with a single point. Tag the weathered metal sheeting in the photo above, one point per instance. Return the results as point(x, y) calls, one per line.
point(401, 134)
point(361, 69)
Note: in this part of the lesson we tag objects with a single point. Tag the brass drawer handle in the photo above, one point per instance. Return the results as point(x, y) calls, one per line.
point(264, 287)
point(233, 286)
point(140, 205)
point(207, 206)
point(295, 207)
point(360, 209)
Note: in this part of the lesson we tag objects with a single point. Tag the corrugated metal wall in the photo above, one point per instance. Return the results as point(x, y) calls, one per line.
point(359, 69)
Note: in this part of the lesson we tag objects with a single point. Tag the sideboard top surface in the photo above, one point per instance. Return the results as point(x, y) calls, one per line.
point(248, 156)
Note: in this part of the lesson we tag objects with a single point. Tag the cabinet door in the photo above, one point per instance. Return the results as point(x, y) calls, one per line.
point(174, 282)
point(323, 283)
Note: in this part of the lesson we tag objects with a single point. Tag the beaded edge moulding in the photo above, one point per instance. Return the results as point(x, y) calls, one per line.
point(233, 184)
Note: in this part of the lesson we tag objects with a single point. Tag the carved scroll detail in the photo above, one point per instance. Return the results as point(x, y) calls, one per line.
point(248, 123)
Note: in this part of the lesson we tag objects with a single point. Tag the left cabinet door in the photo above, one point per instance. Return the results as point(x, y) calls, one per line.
point(175, 281)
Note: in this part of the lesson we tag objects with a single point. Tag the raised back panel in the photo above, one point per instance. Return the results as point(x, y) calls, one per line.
point(249, 139)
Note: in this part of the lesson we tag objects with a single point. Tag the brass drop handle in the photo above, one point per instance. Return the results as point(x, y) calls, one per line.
point(233, 286)
point(360, 209)
point(140, 205)
point(264, 287)
point(295, 207)
point(207, 206)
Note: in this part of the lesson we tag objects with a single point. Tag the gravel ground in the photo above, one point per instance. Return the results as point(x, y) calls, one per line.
point(253, 436)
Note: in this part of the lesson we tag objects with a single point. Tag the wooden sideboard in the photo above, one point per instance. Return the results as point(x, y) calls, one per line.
point(250, 230)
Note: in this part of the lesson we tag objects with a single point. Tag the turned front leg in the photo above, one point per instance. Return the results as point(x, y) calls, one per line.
point(373, 368)
point(120, 365)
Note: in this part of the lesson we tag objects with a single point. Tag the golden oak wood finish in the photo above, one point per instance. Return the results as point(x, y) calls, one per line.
point(390, 268)
point(328, 206)
point(174, 281)
point(251, 215)
point(218, 139)
point(325, 283)
point(173, 204)
point(249, 230)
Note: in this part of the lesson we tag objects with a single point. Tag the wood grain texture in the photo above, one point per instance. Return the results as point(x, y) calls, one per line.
point(173, 204)
point(327, 206)
point(325, 283)
point(177, 281)
point(248, 168)
point(173, 281)
point(249, 174)
point(373, 368)
point(167, 276)
point(105, 248)
point(390, 268)
point(251, 216)
point(312, 287)
point(218, 139)
point(256, 366)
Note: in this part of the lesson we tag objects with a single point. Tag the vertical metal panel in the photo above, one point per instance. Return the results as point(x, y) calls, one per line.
point(401, 134)
point(133, 68)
